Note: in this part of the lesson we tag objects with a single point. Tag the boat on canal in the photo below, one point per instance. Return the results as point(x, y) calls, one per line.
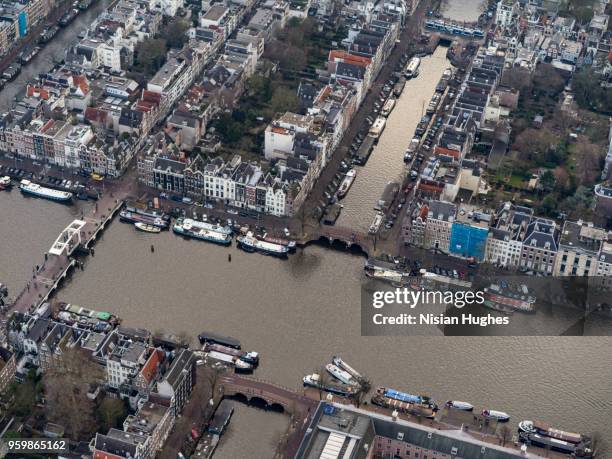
point(129, 216)
point(346, 183)
point(291, 245)
point(337, 360)
point(378, 127)
point(416, 409)
point(343, 376)
point(458, 405)
point(375, 226)
point(406, 397)
point(412, 69)
point(250, 243)
point(315, 380)
point(39, 191)
point(388, 107)
point(544, 429)
point(189, 228)
point(5, 182)
point(141, 226)
point(249, 357)
point(498, 416)
point(238, 364)
point(214, 338)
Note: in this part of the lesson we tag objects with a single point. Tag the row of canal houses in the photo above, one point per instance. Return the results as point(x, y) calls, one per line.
point(156, 376)
point(297, 146)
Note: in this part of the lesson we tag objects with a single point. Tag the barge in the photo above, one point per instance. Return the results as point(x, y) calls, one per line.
point(214, 338)
point(248, 357)
point(196, 230)
point(422, 400)
point(404, 407)
point(412, 69)
point(346, 183)
point(315, 380)
point(35, 189)
point(250, 243)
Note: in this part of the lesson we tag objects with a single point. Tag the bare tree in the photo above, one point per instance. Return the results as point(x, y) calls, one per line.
point(66, 385)
point(504, 434)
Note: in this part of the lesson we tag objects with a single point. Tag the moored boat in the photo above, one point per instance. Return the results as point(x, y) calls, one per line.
point(498, 416)
point(239, 365)
point(249, 357)
point(134, 217)
point(405, 397)
point(37, 190)
point(190, 228)
point(140, 226)
point(412, 69)
point(208, 337)
point(250, 243)
point(5, 182)
point(291, 245)
point(458, 405)
point(337, 360)
point(346, 183)
point(341, 375)
point(315, 380)
point(541, 428)
point(375, 226)
point(416, 409)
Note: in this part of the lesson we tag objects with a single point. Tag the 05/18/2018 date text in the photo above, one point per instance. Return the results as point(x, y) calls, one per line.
point(35, 445)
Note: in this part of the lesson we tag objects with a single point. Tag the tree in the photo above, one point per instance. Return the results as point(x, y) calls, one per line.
point(66, 384)
point(284, 100)
point(504, 434)
point(588, 158)
point(589, 93)
point(548, 81)
point(175, 33)
point(109, 413)
point(24, 395)
point(150, 55)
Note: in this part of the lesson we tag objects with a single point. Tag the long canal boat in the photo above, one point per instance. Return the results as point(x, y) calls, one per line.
point(39, 191)
point(193, 229)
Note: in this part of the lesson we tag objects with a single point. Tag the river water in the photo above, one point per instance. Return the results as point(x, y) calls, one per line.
point(299, 312)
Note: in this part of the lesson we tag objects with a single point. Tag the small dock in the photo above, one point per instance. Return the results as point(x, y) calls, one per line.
point(58, 262)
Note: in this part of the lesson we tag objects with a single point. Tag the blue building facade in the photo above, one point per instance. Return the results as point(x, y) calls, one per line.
point(468, 240)
point(23, 24)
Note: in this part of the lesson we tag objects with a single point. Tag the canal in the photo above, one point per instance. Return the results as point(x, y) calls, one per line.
point(386, 163)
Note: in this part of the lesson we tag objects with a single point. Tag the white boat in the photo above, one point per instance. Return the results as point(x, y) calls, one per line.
point(147, 228)
point(458, 405)
point(198, 230)
point(196, 224)
point(378, 127)
point(336, 360)
point(35, 189)
point(499, 416)
point(341, 375)
point(346, 183)
point(375, 226)
point(235, 361)
point(388, 107)
point(412, 69)
point(5, 182)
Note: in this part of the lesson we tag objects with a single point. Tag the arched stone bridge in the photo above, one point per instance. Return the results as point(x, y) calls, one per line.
point(272, 394)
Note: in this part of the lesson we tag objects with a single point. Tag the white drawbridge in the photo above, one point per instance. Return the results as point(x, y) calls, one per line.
point(68, 240)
